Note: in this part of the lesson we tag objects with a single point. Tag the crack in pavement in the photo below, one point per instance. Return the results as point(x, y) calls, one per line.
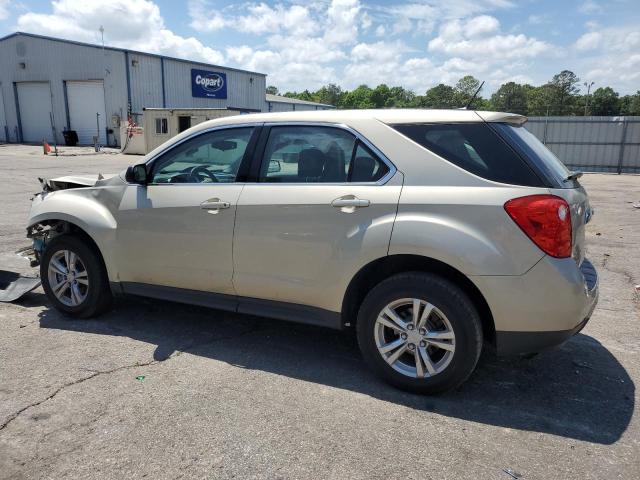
point(178, 352)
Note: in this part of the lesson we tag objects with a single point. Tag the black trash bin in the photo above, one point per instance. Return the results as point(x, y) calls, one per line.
point(70, 138)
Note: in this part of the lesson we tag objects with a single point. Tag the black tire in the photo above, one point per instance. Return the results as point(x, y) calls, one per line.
point(98, 293)
point(451, 301)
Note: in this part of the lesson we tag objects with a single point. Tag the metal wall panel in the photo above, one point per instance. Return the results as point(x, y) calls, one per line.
point(3, 123)
point(146, 82)
point(594, 144)
point(27, 59)
point(245, 90)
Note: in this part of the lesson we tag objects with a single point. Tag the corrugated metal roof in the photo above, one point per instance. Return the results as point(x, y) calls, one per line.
point(117, 49)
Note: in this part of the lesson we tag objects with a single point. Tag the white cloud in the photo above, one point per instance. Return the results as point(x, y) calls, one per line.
point(481, 25)
point(589, 7)
point(4, 9)
point(135, 24)
point(589, 41)
point(479, 37)
point(611, 55)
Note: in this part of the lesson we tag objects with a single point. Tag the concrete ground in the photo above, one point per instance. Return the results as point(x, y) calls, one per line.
point(160, 390)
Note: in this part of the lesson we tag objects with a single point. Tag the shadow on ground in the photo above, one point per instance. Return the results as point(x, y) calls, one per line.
point(578, 391)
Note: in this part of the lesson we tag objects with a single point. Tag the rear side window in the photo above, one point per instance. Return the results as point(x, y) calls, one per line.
point(529, 147)
point(475, 148)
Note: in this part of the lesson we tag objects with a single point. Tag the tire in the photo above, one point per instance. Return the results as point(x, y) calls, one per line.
point(455, 320)
point(91, 292)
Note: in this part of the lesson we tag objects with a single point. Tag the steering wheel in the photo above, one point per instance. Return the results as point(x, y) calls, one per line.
point(197, 174)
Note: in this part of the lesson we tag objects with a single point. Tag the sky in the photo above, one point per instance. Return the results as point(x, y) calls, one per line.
point(414, 43)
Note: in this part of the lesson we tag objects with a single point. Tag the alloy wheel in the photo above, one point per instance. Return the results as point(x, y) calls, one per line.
point(68, 278)
point(414, 337)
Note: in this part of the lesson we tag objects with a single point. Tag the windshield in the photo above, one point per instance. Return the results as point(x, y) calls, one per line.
point(527, 145)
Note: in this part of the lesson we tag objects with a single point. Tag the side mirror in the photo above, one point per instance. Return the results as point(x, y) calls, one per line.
point(137, 174)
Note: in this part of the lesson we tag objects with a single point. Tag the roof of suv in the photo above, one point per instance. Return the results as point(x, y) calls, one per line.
point(389, 116)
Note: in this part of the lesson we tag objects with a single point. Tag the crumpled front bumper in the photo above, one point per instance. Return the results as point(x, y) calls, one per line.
point(542, 308)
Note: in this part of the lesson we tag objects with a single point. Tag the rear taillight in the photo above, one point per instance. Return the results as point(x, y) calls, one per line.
point(546, 219)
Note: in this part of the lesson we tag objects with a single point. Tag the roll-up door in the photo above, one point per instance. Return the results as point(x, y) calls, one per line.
point(34, 100)
point(85, 100)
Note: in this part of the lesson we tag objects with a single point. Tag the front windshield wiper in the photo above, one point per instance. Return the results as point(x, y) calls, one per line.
point(573, 176)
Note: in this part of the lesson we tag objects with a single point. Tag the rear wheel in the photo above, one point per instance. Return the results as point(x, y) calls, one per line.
point(74, 278)
point(420, 332)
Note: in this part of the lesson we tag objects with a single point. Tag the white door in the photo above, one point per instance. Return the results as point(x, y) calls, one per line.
point(86, 99)
point(34, 99)
point(3, 119)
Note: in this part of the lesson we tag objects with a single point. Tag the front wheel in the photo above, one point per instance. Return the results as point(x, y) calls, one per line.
point(74, 278)
point(420, 332)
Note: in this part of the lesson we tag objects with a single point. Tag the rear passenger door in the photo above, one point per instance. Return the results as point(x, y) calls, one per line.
point(322, 206)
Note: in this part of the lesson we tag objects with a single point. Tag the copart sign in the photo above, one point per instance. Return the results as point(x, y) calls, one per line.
point(208, 84)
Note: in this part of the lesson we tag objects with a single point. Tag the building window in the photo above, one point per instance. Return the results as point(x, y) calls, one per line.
point(162, 126)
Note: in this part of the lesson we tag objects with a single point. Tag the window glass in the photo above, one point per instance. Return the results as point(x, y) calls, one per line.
point(537, 153)
point(213, 157)
point(474, 147)
point(162, 126)
point(366, 166)
point(307, 154)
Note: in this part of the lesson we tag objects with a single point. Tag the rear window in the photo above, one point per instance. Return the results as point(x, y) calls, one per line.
point(474, 147)
point(529, 147)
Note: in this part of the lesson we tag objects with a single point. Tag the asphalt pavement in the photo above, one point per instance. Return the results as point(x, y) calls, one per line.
point(161, 390)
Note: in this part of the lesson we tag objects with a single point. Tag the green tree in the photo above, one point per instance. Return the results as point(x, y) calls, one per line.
point(271, 90)
point(330, 94)
point(358, 98)
point(539, 100)
point(466, 87)
point(630, 104)
point(564, 87)
point(510, 97)
point(440, 96)
point(381, 96)
point(604, 101)
point(403, 98)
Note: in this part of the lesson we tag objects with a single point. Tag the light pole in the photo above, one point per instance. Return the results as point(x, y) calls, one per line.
point(586, 101)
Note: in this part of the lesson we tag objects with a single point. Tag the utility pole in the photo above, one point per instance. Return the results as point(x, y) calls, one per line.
point(586, 101)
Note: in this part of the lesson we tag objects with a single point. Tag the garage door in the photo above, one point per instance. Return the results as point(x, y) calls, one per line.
point(3, 119)
point(34, 99)
point(85, 100)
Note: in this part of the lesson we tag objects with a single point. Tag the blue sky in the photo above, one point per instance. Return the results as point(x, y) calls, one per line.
point(413, 43)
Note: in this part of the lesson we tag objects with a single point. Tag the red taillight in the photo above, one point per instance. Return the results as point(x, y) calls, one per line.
point(546, 219)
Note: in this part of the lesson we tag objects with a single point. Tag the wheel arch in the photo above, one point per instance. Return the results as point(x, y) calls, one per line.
point(59, 226)
point(382, 268)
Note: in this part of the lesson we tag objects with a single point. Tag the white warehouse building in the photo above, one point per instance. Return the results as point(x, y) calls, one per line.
point(50, 85)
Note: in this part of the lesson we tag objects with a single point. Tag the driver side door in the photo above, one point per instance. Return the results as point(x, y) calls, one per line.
point(177, 231)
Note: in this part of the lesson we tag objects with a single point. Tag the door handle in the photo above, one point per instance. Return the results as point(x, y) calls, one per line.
point(350, 201)
point(214, 204)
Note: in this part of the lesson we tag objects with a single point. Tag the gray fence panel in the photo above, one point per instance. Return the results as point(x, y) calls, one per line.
point(591, 144)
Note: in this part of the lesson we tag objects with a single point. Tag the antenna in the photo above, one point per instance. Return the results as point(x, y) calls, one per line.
point(474, 96)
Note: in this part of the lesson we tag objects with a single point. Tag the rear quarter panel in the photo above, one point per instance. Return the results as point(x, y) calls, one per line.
point(464, 227)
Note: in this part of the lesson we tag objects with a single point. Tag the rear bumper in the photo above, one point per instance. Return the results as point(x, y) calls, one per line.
point(543, 308)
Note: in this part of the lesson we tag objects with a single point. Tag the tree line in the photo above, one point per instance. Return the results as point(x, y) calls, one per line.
point(562, 95)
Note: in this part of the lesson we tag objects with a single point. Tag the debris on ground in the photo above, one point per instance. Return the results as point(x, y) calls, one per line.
point(13, 285)
point(636, 205)
point(511, 473)
point(140, 377)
